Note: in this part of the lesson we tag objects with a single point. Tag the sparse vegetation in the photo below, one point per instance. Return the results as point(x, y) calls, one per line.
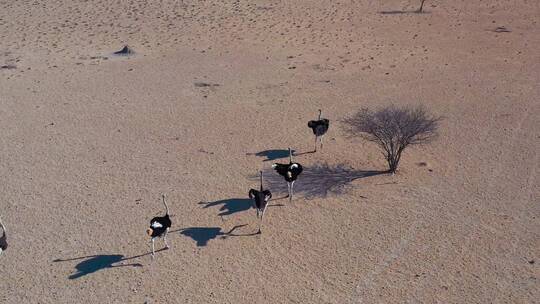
point(421, 9)
point(394, 129)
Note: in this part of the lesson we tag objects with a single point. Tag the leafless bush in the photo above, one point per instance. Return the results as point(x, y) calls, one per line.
point(394, 129)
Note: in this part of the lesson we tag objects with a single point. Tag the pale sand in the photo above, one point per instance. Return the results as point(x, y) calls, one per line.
point(89, 144)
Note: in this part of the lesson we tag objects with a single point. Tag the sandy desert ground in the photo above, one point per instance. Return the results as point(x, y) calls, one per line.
point(215, 92)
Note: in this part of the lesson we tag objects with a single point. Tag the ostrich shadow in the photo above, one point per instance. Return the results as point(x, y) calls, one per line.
point(93, 263)
point(235, 205)
point(305, 152)
point(272, 154)
point(230, 206)
point(202, 235)
point(319, 180)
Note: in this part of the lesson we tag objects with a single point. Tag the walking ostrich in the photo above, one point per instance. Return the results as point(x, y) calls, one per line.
point(290, 172)
point(261, 199)
point(319, 128)
point(3, 238)
point(159, 226)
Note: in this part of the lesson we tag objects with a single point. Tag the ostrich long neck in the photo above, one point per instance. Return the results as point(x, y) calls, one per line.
point(165, 203)
point(290, 155)
point(320, 114)
point(3, 227)
point(261, 181)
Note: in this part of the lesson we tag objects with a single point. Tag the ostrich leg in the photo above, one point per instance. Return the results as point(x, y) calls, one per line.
point(165, 238)
point(292, 186)
point(288, 189)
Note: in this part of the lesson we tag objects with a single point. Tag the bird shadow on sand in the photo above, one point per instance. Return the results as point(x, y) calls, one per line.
point(202, 235)
point(272, 154)
point(319, 180)
point(93, 263)
point(303, 153)
point(234, 205)
point(230, 206)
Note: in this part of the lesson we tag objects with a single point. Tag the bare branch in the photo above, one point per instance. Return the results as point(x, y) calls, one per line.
point(393, 129)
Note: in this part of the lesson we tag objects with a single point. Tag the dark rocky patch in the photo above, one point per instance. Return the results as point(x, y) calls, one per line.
point(125, 51)
point(8, 67)
point(205, 85)
point(501, 29)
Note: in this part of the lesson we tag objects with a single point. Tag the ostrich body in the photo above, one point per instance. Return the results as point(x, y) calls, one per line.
point(159, 226)
point(319, 128)
point(261, 198)
point(290, 172)
point(3, 238)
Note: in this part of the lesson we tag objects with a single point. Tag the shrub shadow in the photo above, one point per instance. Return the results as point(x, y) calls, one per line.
point(319, 180)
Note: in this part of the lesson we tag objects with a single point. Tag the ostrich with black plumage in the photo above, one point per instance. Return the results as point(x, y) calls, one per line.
point(319, 128)
point(290, 172)
point(159, 226)
point(260, 198)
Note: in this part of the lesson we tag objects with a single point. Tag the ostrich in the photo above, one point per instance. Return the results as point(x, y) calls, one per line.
point(319, 128)
point(159, 226)
point(290, 172)
point(261, 199)
point(3, 238)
